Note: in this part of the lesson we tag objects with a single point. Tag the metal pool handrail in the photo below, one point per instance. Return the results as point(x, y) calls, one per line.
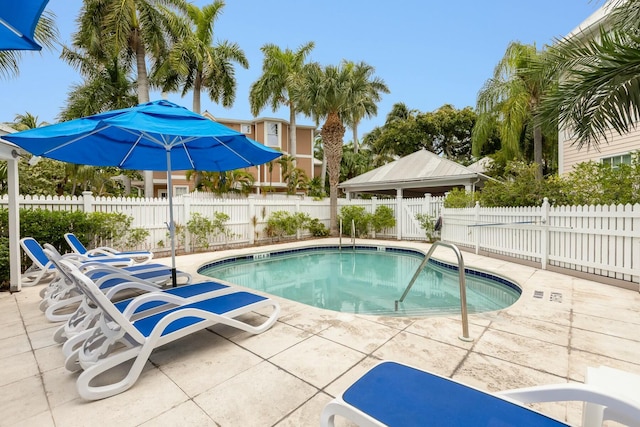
point(463, 286)
point(353, 234)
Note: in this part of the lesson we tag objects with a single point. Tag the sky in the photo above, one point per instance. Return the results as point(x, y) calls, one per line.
point(429, 53)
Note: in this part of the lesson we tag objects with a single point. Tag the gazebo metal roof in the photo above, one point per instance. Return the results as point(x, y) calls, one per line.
point(414, 175)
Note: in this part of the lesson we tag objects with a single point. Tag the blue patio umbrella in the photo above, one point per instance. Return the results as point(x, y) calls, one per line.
point(18, 20)
point(160, 136)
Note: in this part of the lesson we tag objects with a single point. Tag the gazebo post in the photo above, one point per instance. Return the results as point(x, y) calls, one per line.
point(399, 212)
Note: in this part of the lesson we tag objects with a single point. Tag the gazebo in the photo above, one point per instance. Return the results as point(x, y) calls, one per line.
point(415, 175)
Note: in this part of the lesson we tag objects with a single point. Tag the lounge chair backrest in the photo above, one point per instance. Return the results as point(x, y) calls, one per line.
point(35, 252)
point(75, 243)
point(91, 291)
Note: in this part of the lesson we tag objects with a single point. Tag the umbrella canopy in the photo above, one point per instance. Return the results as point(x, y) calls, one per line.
point(160, 136)
point(18, 20)
point(132, 138)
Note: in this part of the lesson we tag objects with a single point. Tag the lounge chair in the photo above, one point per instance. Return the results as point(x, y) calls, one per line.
point(62, 294)
point(140, 257)
point(82, 323)
point(41, 267)
point(102, 351)
point(394, 394)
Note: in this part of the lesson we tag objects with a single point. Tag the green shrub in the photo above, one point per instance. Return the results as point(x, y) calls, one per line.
point(427, 223)
point(359, 216)
point(5, 268)
point(201, 229)
point(93, 229)
point(460, 198)
point(317, 229)
point(282, 223)
point(383, 218)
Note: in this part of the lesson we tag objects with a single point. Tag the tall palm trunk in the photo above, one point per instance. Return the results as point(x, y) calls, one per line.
point(332, 135)
point(197, 87)
point(143, 96)
point(355, 138)
point(143, 77)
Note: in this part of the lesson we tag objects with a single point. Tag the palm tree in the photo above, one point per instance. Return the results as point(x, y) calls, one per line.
point(294, 177)
point(328, 94)
point(46, 34)
point(25, 121)
point(106, 85)
point(282, 74)
point(200, 65)
point(368, 87)
point(400, 111)
point(599, 84)
point(235, 181)
point(510, 101)
point(134, 28)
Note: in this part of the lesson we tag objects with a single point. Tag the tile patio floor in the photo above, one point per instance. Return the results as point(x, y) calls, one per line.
point(284, 376)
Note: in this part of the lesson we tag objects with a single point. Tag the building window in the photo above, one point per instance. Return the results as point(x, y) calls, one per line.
point(614, 161)
point(273, 134)
point(179, 190)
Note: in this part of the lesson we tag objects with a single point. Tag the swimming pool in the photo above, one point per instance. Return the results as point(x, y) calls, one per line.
point(364, 280)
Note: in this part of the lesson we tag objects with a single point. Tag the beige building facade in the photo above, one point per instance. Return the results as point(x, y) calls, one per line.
point(273, 133)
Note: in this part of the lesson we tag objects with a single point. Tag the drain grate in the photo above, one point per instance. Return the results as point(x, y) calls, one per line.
point(555, 297)
point(538, 294)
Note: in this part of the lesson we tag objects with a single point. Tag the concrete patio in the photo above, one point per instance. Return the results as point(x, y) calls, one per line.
point(284, 376)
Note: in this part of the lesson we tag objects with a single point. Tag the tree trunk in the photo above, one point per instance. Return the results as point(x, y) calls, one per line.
point(323, 171)
point(537, 150)
point(143, 97)
point(293, 147)
point(141, 68)
point(332, 135)
point(197, 88)
point(355, 138)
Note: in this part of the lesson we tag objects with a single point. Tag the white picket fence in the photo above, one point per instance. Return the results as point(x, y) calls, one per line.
point(248, 216)
point(600, 240)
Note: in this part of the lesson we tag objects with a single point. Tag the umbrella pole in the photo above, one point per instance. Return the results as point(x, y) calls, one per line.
point(172, 227)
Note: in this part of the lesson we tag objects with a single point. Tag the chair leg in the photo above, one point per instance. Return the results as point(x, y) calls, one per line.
point(64, 304)
point(89, 392)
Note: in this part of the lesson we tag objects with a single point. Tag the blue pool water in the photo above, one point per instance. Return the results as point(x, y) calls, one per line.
point(367, 280)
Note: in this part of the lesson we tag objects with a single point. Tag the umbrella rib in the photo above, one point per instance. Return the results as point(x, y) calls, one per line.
point(186, 151)
point(74, 140)
point(133, 146)
point(233, 151)
point(11, 28)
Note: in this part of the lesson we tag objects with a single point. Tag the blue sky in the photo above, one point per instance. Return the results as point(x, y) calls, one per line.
point(429, 53)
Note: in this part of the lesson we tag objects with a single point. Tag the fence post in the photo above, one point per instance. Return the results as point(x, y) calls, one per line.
point(87, 201)
point(298, 233)
point(477, 229)
point(252, 224)
point(186, 211)
point(544, 237)
point(427, 203)
point(399, 212)
point(374, 206)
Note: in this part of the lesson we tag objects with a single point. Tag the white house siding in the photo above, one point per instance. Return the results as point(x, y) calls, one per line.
point(570, 156)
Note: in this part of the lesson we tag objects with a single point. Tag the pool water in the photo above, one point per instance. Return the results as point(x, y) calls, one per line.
point(367, 280)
